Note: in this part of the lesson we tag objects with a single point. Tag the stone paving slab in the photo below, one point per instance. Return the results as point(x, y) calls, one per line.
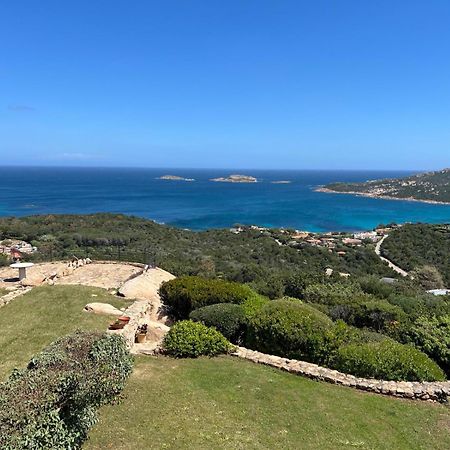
point(106, 276)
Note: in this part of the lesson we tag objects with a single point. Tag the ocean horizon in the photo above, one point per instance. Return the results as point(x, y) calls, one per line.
point(204, 204)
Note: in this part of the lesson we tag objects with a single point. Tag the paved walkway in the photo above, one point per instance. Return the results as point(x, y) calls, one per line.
point(394, 267)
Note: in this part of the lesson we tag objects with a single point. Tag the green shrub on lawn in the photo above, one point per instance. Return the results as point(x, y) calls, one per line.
point(378, 315)
point(341, 334)
point(386, 360)
point(227, 318)
point(290, 329)
point(253, 304)
point(188, 339)
point(184, 294)
point(52, 403)
point(432, 336)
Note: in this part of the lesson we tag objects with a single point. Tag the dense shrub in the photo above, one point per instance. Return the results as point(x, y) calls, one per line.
point(373, 286)
point(183, 295)
point(377, 315)
point(248, 257)
point(253, 304)
point(386, 360)
point(422, 305)
point(290, 329)
point(272, 286)
point(340, 334)
point(297, 283)
point(427, 277)
point(335, 294)
point(227, 318)
point(188, 339)
point(432, 336)
point(52, 403)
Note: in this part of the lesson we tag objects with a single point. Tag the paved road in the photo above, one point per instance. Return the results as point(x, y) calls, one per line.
point(395, 268)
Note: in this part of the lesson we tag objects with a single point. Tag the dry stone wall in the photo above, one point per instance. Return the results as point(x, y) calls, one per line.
point(12, 295)
point(433, 391)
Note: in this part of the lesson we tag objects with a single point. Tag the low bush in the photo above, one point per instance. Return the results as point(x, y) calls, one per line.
point(296, 284)
point(253, 304)
point(188, 339)
point(332, 294)
point(422, 305)
point(290, 329)
point(432, 336)
point(377, 315)
point(386, 360)
point(372, 285)
point(184, 294)
point(341, 334)
point(52, 403)
point(227, 318)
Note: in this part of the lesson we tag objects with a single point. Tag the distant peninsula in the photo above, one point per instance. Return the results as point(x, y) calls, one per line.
point(430, 187)
point(175, 178)
point(236, 179)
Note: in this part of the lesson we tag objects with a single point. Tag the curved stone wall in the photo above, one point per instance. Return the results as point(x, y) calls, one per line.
point(434, 391)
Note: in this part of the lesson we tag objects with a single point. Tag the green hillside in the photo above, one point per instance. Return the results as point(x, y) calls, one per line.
point(251, 256)
point(430, 186)
point(415, 245)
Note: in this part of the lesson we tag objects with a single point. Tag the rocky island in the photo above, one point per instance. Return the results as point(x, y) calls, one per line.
point(175, 178)
point(236, 179)
point(431, 187)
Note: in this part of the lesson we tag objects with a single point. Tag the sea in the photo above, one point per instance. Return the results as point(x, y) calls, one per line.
point(204, 204)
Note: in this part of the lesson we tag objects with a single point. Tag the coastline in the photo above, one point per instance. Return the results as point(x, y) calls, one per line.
point(382, 197)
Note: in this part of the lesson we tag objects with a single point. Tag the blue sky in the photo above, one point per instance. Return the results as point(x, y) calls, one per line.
point(235, 84)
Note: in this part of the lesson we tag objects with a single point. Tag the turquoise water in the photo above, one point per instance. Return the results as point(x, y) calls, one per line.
point(204, 204)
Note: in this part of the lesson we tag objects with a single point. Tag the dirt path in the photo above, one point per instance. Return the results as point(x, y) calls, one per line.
point(394, 267)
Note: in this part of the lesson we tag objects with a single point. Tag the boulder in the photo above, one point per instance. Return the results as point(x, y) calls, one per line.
point(33, 278)
point(103, 308)
point(156, 331)
point(146, 285)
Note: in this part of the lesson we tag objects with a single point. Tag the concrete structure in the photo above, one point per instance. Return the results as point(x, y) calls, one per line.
point(22, 269)
point(439, 291)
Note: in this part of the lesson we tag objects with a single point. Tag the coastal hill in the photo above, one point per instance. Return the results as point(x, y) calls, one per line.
point(427, 187)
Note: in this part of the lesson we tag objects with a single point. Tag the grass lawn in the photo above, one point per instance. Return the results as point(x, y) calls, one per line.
point(3, 292)
point(220, 403)
point(35, 319)
point(226, 403)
